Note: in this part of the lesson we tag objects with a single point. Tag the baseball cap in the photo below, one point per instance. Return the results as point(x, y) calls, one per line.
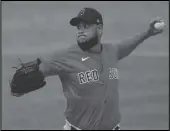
point(89, 15)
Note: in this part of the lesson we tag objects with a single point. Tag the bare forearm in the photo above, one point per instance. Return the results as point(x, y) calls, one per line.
point(128, 45)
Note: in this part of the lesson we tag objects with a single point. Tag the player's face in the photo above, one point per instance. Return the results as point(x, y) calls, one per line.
point(86, 32)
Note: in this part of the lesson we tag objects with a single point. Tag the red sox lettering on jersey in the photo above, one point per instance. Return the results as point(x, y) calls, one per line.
point(93, 75)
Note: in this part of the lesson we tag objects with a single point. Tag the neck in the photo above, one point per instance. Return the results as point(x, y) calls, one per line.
point(97, 48)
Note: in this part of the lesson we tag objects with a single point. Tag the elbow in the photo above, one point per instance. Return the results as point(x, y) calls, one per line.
point(124, 54)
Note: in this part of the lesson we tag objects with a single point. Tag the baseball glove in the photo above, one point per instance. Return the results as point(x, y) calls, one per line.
point(27, 78)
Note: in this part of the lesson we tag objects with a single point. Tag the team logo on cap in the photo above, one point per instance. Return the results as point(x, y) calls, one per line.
point(98, 21)
point(82, 12)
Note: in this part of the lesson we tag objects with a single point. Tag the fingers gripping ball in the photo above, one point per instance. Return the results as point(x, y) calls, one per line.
point(159, 25)
point(156, 26)
point(27, 78)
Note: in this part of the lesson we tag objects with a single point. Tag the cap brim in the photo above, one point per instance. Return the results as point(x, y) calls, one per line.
point(76, 20)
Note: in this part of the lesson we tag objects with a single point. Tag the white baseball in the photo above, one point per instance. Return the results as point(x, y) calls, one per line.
point(159, 25)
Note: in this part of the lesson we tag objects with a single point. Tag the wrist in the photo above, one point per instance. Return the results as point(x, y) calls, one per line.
point(147, 34)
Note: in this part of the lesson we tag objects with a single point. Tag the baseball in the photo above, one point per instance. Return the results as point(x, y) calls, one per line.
point(159, 25)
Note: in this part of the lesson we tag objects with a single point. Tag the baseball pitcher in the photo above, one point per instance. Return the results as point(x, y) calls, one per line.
point(88, 72)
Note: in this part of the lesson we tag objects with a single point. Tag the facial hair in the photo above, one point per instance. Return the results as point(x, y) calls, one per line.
point(88, 44)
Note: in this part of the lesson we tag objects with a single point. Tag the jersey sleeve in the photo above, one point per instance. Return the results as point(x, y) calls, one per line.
point(55, 64)
point(123, 48)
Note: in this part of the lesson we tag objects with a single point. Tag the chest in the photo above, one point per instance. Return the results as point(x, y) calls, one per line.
point(95, 68)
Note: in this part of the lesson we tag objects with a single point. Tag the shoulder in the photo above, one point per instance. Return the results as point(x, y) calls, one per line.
point(74, 49)
point(66, 52)
point(109, 45)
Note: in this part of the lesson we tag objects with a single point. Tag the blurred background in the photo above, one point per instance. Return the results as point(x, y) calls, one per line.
point(31, 29)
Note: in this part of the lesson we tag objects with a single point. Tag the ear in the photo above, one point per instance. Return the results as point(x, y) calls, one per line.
point(99, 29)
